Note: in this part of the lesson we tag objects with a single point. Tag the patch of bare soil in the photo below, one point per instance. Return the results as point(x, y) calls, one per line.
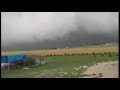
point(103, 70)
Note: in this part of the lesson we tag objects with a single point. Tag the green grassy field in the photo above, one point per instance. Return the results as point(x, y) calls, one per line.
point(59, 64)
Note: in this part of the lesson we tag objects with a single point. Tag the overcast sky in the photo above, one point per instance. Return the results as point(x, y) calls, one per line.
point(22, 27)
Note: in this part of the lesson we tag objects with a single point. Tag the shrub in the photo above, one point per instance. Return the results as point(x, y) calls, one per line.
point(65, 53)
point(46, 55)
point(101, 54)
point(93, 53)
point(105, 52)
point(82, 53)
point(79, 54)
point(72, 54)
point(50, 55)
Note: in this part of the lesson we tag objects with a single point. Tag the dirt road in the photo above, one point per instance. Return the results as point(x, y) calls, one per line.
point(103, 70)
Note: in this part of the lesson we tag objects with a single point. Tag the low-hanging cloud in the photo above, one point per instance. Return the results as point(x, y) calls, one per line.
point(32, 27)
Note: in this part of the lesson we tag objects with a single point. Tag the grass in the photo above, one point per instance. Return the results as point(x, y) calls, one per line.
point(59, 66)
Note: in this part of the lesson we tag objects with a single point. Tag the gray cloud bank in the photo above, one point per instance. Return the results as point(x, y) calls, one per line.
point(45, 30)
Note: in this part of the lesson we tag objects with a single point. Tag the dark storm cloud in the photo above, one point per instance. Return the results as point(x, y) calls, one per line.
point(37, 30)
